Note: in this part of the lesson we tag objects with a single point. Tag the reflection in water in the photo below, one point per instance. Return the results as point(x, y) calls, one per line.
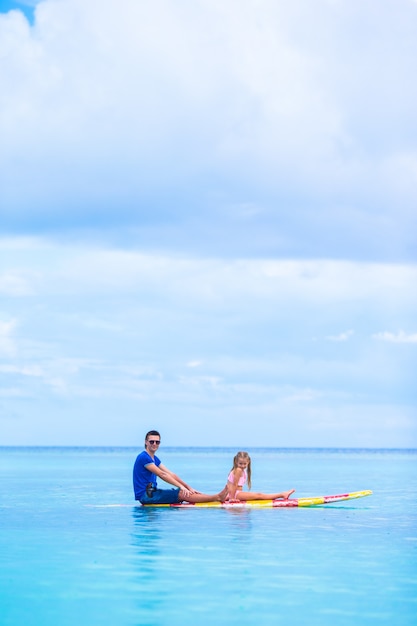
point(238, 525)
point(239, 513)
point(175, 550)
point(146, 533)
point(146, 557)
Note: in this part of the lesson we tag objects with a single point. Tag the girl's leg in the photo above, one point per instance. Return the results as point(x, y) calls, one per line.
point(252, 495)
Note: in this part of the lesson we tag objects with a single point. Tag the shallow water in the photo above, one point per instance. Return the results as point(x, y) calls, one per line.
point(66, 557)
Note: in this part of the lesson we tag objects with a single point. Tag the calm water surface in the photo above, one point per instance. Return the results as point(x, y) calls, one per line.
point(67, 558)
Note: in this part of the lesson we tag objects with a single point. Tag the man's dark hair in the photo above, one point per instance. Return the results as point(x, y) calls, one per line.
point(152, 432)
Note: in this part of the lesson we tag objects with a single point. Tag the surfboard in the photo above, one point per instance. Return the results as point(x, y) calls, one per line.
point(268, 504)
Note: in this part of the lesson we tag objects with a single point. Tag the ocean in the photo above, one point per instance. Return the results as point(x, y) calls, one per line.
point(76, 549)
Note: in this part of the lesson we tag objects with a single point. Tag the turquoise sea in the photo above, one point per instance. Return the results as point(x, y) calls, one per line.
point(67, 558)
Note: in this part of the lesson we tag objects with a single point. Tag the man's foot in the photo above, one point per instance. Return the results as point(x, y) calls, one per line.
point(287, 494)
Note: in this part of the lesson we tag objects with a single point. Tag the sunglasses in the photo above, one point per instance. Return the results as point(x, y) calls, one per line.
point(154, 441)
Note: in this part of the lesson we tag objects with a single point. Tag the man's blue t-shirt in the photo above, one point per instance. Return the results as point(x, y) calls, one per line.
point(142, 476)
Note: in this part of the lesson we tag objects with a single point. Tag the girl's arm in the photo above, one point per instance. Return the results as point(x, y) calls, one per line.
point(233, 487)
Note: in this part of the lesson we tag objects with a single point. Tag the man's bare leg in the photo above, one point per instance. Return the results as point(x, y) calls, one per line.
point(193, 498)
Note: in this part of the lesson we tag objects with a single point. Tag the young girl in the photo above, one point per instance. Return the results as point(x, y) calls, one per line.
point(239, 474)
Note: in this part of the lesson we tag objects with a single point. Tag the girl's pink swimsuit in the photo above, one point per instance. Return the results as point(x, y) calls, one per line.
point(242, 479)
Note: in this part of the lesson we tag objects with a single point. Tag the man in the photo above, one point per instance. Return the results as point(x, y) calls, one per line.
point(148, 467)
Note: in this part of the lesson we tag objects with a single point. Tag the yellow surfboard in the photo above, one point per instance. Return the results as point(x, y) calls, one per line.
point(268, 504)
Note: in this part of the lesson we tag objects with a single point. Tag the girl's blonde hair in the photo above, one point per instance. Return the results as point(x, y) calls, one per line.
point(245, 456)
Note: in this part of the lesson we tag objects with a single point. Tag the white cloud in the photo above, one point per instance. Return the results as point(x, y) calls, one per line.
point(258, 142)
point(60, 375)
point(85, 269)
point(99, 105)
point(344, 336)
point(26, 370)
point(12, 392)
point(15, 284)
point(399, 337)
point(129, 75)
point(7, 340)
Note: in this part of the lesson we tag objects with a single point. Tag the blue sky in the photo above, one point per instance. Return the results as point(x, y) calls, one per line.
point(208, 222)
